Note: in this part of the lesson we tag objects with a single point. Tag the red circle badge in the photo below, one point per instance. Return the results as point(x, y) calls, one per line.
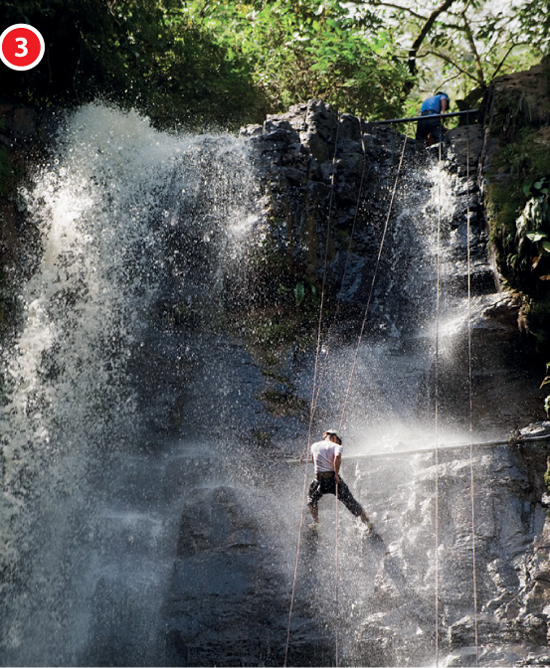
point(21, 47)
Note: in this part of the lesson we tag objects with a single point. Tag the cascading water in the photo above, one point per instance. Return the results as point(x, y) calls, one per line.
point(147, 520)
point(130, 218)
point(412, 304)
point(387, 592)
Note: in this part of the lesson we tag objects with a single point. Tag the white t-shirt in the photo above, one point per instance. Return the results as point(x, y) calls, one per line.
point(323, 453)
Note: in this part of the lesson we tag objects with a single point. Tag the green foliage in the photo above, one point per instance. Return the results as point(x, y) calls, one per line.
point(299, 293)
point(201, 62)
point(464, 44)
point(281, 403)
point(534, 21)
point(518, 205)
point(519, 216)
point(538, 318)
point(145, 53)
point(533, 226)
point(207, 61)
point(319, 49)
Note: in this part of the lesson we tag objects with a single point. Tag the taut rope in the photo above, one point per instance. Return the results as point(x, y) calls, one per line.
point(436, 412)
point(470, 391)
point(313, 397)
point(371, 292)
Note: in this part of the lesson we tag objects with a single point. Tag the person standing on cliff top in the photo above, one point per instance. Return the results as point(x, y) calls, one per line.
point(431, 130)
point(326, 456)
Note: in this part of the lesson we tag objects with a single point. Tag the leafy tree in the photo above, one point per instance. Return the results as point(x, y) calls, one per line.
point(533, 18)
point(472, 41)
point(200, 61)
point(315, 49)
point(229, 62)
point(148, 53)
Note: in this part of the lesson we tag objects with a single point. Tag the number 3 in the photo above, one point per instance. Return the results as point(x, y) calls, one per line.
point(22, 46)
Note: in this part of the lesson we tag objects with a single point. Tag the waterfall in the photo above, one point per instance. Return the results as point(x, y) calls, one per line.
point(149, 514)
point(130, 220)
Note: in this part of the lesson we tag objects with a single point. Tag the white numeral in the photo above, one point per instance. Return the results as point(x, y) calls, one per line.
point(22, 46)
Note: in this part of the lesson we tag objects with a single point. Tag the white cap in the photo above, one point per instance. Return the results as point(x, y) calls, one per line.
point(332, 432)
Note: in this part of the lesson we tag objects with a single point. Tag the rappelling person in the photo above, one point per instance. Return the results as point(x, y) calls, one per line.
point(326, 456)
point(431, 130)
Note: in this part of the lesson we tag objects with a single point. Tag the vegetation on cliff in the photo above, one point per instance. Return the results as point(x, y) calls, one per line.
point(201, 62)
point(518, 192)
point(518, 195)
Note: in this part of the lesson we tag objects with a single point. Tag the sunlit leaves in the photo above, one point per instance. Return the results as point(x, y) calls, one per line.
point(473, 40)
point(299, 51)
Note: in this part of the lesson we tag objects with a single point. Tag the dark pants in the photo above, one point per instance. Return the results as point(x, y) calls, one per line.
point(328, 486)
point(433, 125)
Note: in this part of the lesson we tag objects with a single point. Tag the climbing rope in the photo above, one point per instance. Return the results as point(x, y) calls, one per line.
point(371, 292)
point(317, 383)
point(436, 409)
point(336, 592)
point(470, 388)
point(328, 344)
point(353, 371)
point(313, 397)
point(317, 393)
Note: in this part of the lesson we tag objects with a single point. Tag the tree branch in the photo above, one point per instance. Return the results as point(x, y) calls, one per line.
point(424, 32)
point(499, 66)
point(473, 49)
point(449, 60)
point(379, 3)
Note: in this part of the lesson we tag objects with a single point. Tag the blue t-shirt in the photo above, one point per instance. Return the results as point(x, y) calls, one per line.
point(433, 104)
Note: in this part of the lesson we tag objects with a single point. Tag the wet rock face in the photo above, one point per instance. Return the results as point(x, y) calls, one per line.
point(225, 603)
point(510, 624)
point(518, 99)
point(216, 577)
point(327, 173)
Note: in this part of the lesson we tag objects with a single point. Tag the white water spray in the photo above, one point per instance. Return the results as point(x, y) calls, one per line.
point(122, 216)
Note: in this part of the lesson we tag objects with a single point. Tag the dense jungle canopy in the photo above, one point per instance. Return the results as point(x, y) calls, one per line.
point(204, 62)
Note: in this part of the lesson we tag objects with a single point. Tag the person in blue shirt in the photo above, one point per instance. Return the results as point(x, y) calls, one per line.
point(431, 130)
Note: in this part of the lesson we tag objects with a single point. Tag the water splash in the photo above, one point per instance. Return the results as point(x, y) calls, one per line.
point(125, 214)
